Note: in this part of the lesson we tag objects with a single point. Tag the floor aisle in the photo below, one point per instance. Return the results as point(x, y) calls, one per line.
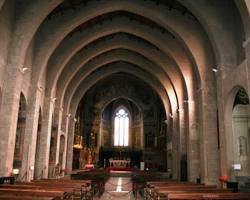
point(118, 188)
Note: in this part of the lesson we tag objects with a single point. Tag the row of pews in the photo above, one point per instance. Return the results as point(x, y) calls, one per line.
point(140, 179)
point(99, 178)
point(48, 189)
point(170, 190)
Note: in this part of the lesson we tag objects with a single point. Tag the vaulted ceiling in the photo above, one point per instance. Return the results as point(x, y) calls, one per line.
point(172, 45)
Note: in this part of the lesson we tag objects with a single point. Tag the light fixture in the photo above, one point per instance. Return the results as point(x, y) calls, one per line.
point(23, 69)
point(215, 70)
point(221, 68)
point(15, 171)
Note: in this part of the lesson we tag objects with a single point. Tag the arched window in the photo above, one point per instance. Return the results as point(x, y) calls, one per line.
point(121, 129)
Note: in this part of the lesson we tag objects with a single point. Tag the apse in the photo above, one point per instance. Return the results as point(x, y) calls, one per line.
point(121, 117)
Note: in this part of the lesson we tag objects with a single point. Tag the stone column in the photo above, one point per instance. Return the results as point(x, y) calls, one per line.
point(30, 137)
point(182, 144)
point(193, 144)
point(69, 144)
point(175, 147)
point(43, 157)
point(169, 145)
point(222, 126)
point(209, 143)
point(66, 134)
point(8, 117)
point(58, 119)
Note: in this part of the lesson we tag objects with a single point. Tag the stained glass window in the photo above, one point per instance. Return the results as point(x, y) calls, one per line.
point(121, 129)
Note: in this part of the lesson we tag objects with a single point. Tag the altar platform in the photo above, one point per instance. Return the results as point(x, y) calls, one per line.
point(117, 163)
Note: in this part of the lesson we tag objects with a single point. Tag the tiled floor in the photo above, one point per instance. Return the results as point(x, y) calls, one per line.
point(118, 188)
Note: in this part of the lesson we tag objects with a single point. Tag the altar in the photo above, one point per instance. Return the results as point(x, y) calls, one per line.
point(119, 163)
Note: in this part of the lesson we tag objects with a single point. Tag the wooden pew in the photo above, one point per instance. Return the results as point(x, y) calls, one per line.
point(13, 197)
point(98, 177)
point(209, 196)
point(151, 186)
point(140, 179)
point(69, 188)
point(48, 189)
point(82, 188)
point(163, 193)
point(31, 192)
point(54, 194)
point(170, 190)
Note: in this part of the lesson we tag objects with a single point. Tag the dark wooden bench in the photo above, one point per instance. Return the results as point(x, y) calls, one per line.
point(82, 188)
point(54, 194)
point(209, 196)
point(163, 193)
point(170, 190)
point(98, 177)
point(13, 197)
point(47, 189)
point(69, 190)
point(152, 186)
point(140, 179)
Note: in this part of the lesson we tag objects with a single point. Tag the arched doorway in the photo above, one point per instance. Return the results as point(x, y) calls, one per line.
point(20, 130)
point(241, 134)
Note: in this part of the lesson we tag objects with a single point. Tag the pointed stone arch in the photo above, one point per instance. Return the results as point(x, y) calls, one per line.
point(237, 120)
